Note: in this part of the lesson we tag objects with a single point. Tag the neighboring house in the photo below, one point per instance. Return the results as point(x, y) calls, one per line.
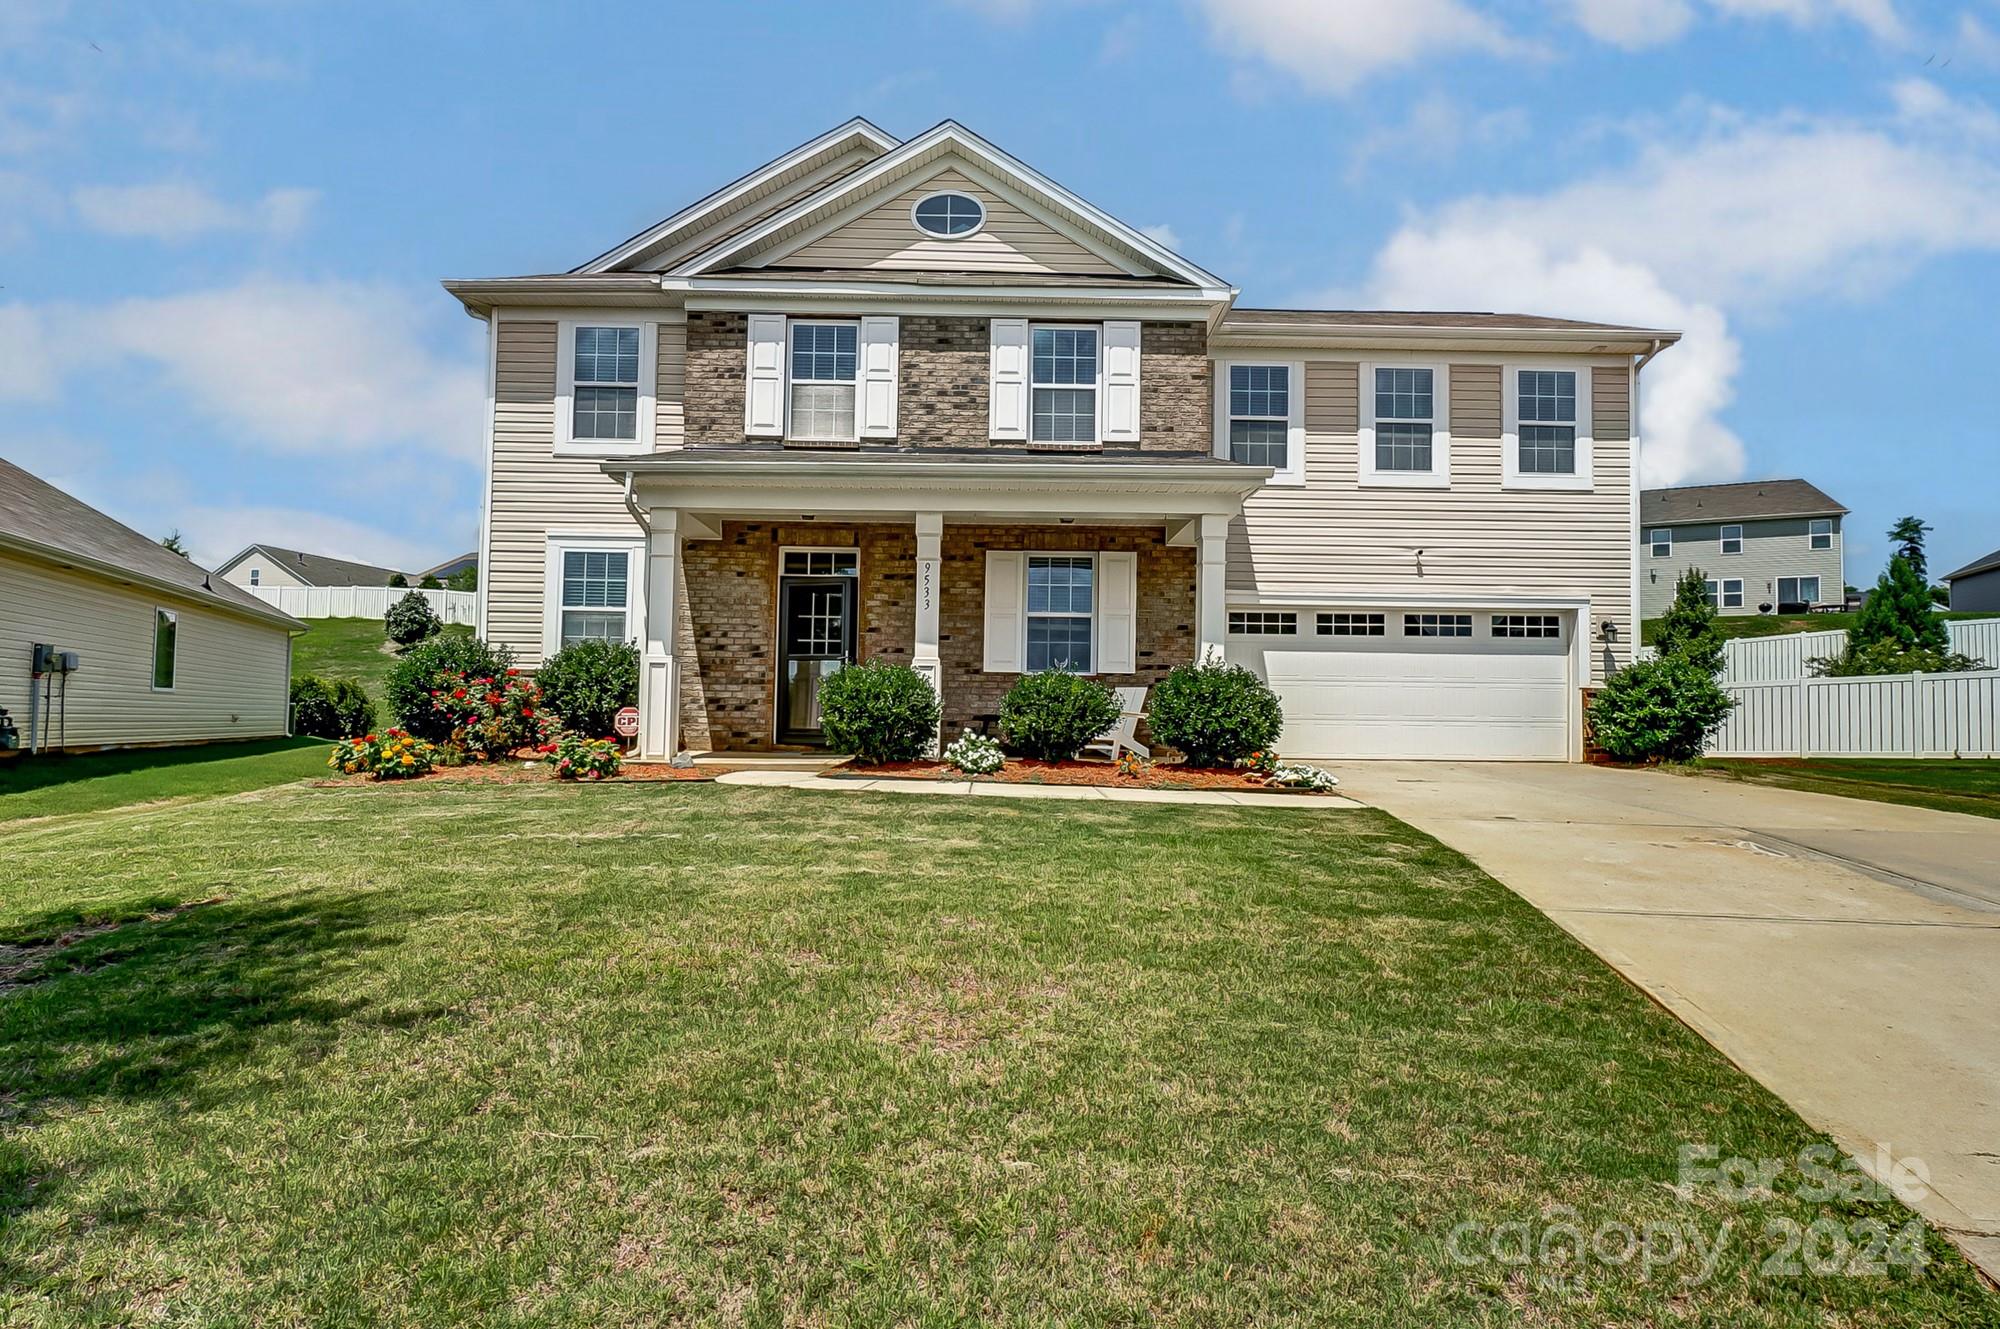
point(450, 568)
point(1767, 546)
point(270, 565)
point(165, 653)
point(914, 401)
point(1975, 587)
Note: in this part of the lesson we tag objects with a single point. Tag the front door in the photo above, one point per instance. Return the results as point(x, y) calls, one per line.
point(815, 637)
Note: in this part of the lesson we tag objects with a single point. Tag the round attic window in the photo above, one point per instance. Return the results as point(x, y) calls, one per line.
point(949, 215)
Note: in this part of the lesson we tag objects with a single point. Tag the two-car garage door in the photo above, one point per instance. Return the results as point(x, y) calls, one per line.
point(1449, 684)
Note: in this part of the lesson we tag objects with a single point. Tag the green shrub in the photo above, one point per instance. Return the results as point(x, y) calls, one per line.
point(1888, 656)
point(879, 711)
point(1051, 715)
point(1688, 629)
point(589, 682)
point(1658, 710)
point(330, 707)
point(575, 757)
point(426, 666)
point(410, 620)
point(1216, 714)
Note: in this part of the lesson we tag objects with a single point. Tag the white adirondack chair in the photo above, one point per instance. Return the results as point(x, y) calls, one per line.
point(1131, 710)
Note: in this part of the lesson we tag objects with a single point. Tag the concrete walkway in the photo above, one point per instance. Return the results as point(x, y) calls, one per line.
point(1845, 953)
point(992, 789)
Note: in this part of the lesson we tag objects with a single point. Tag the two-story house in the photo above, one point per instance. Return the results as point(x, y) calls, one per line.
point(1765, 546)
point(914, 400)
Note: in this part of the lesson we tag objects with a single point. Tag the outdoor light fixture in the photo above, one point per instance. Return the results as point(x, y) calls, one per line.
point(1608, 630)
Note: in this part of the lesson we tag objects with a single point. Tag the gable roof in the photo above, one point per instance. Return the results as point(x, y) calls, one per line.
point(1752, 498)
point(1991, 563)
point(452, 566)
point(317, 569)
point(950, 144)
point(40, 520)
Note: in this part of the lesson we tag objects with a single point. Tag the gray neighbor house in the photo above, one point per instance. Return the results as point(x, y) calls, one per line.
point(1976, 586)
point(1767, 546)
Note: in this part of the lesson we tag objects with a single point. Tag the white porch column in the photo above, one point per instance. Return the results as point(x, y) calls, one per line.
point(924, 657)
point(659, 672)
point(1211, 572)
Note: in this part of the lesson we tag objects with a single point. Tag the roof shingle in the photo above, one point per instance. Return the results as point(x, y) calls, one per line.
point(1734, 502)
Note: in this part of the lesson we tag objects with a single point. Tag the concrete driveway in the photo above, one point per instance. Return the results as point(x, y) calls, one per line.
point(1845, 953)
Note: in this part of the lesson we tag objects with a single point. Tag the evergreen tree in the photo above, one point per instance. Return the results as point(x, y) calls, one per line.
point(174, 544)
point(397, 579)
point(1898, 630)
point(1687, 630)
point(430, 583)
point(1908, 535)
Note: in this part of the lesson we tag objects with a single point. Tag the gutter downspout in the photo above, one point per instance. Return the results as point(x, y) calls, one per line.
point(632, 506)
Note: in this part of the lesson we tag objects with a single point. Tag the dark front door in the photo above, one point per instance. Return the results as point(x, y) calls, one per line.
point(815, 637)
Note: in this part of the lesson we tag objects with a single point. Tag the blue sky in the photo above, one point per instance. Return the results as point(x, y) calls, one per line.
point(222, 224)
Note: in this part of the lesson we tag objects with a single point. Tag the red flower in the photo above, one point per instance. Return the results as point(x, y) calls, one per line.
point(512, 672)
point(459, 693)
point(527, 711)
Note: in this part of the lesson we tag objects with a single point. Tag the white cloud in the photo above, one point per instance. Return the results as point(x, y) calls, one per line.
point(27, 370)
point(217, 532)
point(1878, 16)
point(1437, 129)
point(1336, 47)
point(178, 211)
point(1977, 42)
point(1632, 24)
point(1162, 234)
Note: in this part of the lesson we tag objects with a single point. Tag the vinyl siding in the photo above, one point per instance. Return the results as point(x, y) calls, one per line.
point(885, 237)
point(1331, 537)
point(535, 491)
point(271, 572)
point(231, 676)
point(1771, 549)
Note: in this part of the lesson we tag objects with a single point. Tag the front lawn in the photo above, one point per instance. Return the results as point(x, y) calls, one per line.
point(353, 648)
point(53, 786)
point(709, 1054)
point(1950, 786)
point(1778, 625)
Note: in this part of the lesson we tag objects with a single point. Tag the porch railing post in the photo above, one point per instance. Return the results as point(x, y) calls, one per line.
point(659, 676)
point(924, 655)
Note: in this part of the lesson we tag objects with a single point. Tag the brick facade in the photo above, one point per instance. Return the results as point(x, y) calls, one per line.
point(712, 402)
point(1175, 397)
point(729, 654)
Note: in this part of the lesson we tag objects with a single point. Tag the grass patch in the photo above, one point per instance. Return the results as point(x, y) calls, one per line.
point(353, 648)
point(57, 785)
point(1949, 786)
point(703, 1054)
point(1779, 625)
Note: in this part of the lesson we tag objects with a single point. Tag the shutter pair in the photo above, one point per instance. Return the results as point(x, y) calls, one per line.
point(1010, 375)
point(1006, 621)
point(877, 356)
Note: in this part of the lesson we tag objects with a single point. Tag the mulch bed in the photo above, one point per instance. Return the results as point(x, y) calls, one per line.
point(1101, 773)
point(518, 770)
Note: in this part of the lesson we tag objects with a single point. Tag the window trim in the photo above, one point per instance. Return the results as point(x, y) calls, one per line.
point(1096, 439)
point(792, 326)
point(1511, 474)
point(597, 541)
point(172, 616)
point(1439, 476)
point(566, 442)
point(1660, 548)
point(985, 212)
point(1294, 470)
point(1719, 592)
point(1724, 538)
point(1028, 557)
point(1813, 537)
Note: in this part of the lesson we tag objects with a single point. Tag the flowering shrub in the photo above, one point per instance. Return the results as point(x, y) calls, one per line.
point(410, 620)
point(1263, 762)
point(974, 754)
point(490, 717)
point(1133, 765)
point(578, 758)
point(426, 667)
point(1312, 779)
point(393, 754)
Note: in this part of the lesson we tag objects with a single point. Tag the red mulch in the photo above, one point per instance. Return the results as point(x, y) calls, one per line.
point(516, 770)
point(1024, 771)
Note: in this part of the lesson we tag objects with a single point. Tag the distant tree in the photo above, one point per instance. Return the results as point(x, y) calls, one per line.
point(174, 544)
point(398, 580)
point(465, 579)
point(1941, 596)
point(1908, 534)
point(1688, 627)
point(430, 583)
point(1898, 630)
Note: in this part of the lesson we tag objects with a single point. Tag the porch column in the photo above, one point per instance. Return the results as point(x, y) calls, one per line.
point(924, 657)
point(659, 674)
point(1211, 571)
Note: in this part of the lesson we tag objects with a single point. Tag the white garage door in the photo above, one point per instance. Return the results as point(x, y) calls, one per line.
point(1454, 684)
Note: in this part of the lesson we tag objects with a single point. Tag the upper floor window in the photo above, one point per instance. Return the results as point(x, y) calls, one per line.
point(255, 575)
point(949, 215)
point(1063, 383)
point(1259, 414)
point(1820, 532)
point(1732, 539)
point(606, 384)
point(1405, 420)
point(1547, 405)
point(824, 356)
point(1662, 540)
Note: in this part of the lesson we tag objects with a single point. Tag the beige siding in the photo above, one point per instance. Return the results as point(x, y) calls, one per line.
point(885, 237)
point(270, 572)
point(670, 387)
point(1331, 537)
point(1611, 405)
point(1773, 548)
point(231, 677)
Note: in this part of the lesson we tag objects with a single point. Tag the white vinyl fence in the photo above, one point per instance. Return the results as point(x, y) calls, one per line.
point(1897, 715)
point(363, 601)
point(1781, 659)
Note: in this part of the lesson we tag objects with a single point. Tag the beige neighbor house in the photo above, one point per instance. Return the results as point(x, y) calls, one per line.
point(162, 651)
point(1765, 546)
point(915, 401)
point(273, 565)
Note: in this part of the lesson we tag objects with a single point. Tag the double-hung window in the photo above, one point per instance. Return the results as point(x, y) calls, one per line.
point(1819, 533)
point(1725, 594)
point(1546, 428)
point(1405, 440)
point(824, 357)
point(1732, 539)
point(1063, 385)
point(1662, 541)
point(1061, 604)
point(595, 595)
point(604, 391)
point(166, 644)
point(1260, 411)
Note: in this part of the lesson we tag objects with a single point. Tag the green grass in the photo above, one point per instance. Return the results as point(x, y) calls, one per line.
point(352, 648)
point(680, 1053)
point(53, 786)
point(1949, 786)
point(1778, 625)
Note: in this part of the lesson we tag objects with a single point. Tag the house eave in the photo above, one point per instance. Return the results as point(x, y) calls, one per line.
point(64, 558)
point(954, 483)
point(1236, 335)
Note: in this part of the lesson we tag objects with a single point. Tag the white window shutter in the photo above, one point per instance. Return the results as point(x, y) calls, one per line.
point(764, 377)
point(1007, 379)
point(1006, 575)
point(879, 334)
point(1117, 613)
point(1121, 382)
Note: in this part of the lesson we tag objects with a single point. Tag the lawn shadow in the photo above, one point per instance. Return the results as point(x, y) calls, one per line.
point(159, 1007)
point(48, 770)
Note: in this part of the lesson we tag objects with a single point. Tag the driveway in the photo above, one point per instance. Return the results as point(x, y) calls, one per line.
point(1843, 952)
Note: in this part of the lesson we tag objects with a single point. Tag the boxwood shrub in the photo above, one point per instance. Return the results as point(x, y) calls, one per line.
point(410, 620)
point(1051, 715)
point(330, 708)
point(426, 667)
point(1216, 714)
point(1658, 710)
point(879, 711)
point(589, 682)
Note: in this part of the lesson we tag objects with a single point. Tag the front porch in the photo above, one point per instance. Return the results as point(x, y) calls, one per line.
point(763, 573)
